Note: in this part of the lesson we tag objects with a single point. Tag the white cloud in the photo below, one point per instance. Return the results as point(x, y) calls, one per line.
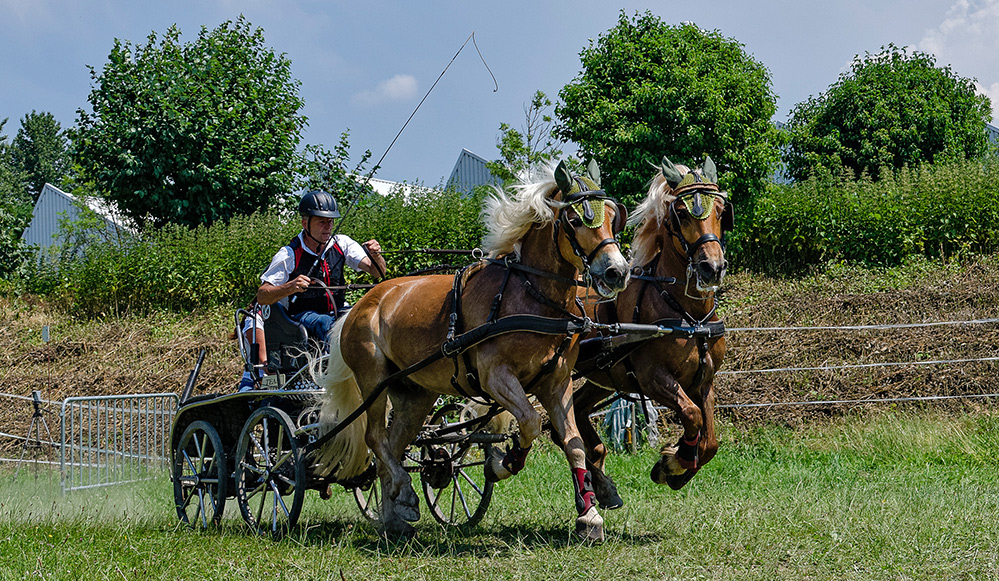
point(398, 88)
point(992, 92)
point(968, 41)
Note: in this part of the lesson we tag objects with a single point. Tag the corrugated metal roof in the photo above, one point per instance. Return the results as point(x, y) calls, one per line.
point(469, 172)
point(54, 205)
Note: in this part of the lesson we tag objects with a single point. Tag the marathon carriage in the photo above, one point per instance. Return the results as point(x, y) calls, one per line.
point(256, 448)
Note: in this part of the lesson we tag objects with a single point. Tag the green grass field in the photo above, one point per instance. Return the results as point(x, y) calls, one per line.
point(876, 495)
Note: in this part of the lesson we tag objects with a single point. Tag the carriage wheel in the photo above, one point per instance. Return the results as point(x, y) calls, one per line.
point(270, 472)
point(453, 476)
point(200, 478)
point(369, 499)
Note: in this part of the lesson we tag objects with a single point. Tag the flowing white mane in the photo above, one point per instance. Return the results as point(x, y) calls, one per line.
point(508, 217)
point(650, 215)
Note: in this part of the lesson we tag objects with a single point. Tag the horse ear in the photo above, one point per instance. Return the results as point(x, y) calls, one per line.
point(562, 178)
point(670, 172)
point(709, 170)
point(593, 172)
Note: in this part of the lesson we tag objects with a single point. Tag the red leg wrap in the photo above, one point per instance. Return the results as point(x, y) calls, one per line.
point(585, 497)
point(686, 453)
point(515, 458)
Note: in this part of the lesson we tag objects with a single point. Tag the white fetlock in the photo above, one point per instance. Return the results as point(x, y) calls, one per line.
point(494, 469)
point(672, 462)
point(590, 526)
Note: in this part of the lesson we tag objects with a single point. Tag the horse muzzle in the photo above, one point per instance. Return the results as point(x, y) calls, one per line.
point(709, 274)
point(609, 275)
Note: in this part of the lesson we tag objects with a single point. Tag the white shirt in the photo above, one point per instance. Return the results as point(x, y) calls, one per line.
point(283, 262)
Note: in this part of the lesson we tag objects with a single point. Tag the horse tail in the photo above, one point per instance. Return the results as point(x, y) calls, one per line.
point(346, 453)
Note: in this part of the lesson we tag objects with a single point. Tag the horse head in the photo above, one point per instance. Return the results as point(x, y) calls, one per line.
point(695, 214)
point(587, 226)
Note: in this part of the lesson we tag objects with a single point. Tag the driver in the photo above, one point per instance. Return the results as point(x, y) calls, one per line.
point(315, 259)
point(316, 255)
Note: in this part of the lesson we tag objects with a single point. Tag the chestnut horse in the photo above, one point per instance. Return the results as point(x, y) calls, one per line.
point(538, 241)
point(678, 262)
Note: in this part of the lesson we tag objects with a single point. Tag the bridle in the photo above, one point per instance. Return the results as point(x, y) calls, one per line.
point(582, 199)
point(694, 193)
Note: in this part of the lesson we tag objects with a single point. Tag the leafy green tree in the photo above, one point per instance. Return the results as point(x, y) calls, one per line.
point(41, 151)
point(192, 133)
point(648, 89)
point(15, 209)
point(321, 169)
point(892, 109)
point(534, 145)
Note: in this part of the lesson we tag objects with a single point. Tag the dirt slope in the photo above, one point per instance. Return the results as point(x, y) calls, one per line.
point(155, 353)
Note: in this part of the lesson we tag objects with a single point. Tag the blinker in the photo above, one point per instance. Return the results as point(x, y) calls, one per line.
point(590, 211)
point(697, 205)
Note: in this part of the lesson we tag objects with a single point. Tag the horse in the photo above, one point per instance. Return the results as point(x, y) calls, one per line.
point(678, 263)
point(398, 341)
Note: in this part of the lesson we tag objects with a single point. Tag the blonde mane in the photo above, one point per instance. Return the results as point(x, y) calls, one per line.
point(508, 217)
point(650, 216)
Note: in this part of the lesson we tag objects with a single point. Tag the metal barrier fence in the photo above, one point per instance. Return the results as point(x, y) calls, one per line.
point(107, 440)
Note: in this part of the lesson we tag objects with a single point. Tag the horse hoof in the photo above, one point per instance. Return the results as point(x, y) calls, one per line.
point(407, 505)
point(401, 531)
point(677, 481)
point(494, 469)
point(590, 526)
point(668, 467)
point(610, 502)
point(606, 493)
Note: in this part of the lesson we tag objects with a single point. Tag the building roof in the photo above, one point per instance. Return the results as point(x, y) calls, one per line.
point(470, 172)
point(54, 205)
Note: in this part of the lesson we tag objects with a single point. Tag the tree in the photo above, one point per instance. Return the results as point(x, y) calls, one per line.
point(535, 145)
point(15, 209)
point(41, 151)
point(648, 89)
point(192, 133)
point(891, 109)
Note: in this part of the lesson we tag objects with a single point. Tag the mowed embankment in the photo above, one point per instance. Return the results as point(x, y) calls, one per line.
point(155, 352)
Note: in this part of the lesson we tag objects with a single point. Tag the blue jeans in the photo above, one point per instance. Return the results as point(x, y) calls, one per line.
point(317, 325)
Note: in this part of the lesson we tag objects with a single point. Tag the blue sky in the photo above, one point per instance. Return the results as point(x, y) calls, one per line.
point(364, 66)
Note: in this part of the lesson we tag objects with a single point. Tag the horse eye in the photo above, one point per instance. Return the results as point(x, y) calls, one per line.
point(575, 221)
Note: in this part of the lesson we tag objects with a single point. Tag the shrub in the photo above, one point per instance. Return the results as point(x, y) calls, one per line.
point(943, 211)
point(183, 269)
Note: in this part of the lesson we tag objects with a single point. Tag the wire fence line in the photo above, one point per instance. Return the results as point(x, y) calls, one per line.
point(880, 327)
point(857, 366)
point(857, 401)
point(883, 327)
point(48, 442)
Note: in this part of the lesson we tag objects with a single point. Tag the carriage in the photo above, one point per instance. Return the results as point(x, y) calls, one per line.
point(256, 448)
point(522, 338)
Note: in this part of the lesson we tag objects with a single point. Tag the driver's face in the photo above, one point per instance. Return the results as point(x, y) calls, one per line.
point(320, 228)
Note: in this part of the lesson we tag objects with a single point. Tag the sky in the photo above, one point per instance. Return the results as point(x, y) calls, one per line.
point(364, 66)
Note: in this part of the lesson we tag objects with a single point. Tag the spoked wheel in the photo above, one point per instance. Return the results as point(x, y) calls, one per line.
point(270, 472)
point(369, 499)
point(200, 477)
point(453, 475)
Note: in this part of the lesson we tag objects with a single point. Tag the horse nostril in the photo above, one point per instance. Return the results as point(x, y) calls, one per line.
point(707, 270)
point(613, 275)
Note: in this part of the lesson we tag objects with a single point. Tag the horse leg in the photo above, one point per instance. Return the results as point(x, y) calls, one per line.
point(559, 405)
point(504, 387)
point(399, 501)
point(680, 462)
point(584, 400)
point(709, 439)
point(411, 405)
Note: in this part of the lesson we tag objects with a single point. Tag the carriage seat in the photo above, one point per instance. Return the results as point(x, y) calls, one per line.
point(287, 341)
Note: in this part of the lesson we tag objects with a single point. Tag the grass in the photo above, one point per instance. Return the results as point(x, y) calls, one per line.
point(890, 495)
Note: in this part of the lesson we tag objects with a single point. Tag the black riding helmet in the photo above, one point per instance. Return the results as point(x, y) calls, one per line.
point(318, 203)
